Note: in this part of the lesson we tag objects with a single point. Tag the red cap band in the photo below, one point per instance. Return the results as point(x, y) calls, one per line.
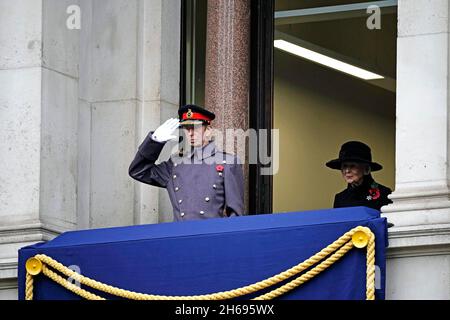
point(195, 116)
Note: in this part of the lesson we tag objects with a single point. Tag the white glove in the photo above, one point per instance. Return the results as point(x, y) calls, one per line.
point(165, 131)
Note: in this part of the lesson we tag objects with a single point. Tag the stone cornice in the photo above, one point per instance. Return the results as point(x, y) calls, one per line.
point(425, 240)
point(6, 284)
point(29, 232)
point(25, 234)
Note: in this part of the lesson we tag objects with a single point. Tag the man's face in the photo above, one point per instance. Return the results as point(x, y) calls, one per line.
point(352, 172)
point(195, 134)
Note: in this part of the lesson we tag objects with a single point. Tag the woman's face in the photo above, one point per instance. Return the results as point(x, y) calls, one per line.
point(353, 172)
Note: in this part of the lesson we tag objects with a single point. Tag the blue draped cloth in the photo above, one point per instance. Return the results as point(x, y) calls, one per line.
point(201, 257)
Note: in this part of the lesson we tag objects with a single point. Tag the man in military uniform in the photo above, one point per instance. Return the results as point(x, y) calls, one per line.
point(202, 183)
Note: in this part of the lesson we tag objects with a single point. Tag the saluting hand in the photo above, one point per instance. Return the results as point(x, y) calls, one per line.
point(165, 131)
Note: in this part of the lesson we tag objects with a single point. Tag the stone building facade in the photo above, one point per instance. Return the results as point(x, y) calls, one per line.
point(76, 102)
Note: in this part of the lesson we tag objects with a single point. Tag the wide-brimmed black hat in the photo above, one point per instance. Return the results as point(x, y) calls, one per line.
point(354, 151)
point(192, 114)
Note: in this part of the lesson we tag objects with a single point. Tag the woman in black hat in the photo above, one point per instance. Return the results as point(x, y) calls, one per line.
point(355, 163)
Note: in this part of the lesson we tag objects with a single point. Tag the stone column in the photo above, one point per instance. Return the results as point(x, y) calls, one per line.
point(20, 132)
point(419, 254)
point(59, 118)
point(228, 67)
point(158, 77)
point(129, 84)
point(107, 112)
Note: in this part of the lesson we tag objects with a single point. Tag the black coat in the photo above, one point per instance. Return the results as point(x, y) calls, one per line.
point(365, 195)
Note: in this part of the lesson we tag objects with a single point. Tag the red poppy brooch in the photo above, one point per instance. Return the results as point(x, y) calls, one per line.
point(219, 168)
point(374, 192)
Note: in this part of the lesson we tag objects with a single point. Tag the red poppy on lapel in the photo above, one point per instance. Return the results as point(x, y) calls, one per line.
point(374, 193)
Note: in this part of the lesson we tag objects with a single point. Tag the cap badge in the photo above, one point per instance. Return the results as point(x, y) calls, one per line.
point(189, 114)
